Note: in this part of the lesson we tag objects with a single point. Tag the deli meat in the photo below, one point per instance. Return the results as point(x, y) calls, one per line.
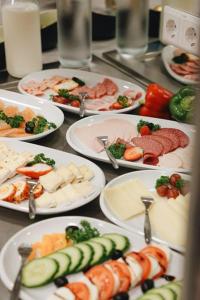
point(149, 146)
point(166, 132)
point(181, 136)
point(166, 142)
point(111, 87)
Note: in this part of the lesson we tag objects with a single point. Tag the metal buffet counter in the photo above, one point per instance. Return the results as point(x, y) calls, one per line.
point(13, 221)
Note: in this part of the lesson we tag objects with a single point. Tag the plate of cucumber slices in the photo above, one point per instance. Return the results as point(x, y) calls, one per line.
point(89, 259)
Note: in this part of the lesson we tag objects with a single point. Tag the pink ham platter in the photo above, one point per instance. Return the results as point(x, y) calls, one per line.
point(102, 90)
point(170, 147)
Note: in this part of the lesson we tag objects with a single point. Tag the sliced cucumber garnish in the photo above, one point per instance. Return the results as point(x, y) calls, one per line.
point(63, 261)
point(88, 253)
point(166, 293)
point(75, 255)
point(176, 287)
point(39, 272)
point(152, 296)
point(99, 253)
point(107, 243)
point(121, 242)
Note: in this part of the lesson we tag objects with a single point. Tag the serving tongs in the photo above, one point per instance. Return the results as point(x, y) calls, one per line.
point(103, 140)
point(83, 96)
point(31, 203)
point(147, 201)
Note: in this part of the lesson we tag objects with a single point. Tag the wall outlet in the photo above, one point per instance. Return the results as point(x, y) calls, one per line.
point(181, 29)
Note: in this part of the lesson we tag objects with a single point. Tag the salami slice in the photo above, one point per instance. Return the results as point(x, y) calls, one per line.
point(181, 136)
point(166, 132)
point(150, 146)
point(166, 143)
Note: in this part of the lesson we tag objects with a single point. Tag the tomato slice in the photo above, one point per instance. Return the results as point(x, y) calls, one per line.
point(80, 290)
point(160, 255)
point(104, 281)
point(123, 273)
point(144, 262)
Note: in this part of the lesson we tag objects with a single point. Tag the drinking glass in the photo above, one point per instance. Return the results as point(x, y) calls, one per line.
point(74, 32)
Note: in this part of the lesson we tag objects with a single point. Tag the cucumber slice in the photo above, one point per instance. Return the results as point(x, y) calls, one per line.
point(99, 253)
point(107, 243)
point(88, 253)
point(166, 293)
point(121, 242)
point(152, 296)
point(63, 261)
point(176, 287)
point(76, 256)
point(39, 272)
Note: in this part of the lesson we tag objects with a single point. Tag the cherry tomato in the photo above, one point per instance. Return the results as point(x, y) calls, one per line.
point(60, 99)
point(173, 179)
point(116, 105)
point(162, 190)
point(173, 193)
point(145, 130)
point(75, 103)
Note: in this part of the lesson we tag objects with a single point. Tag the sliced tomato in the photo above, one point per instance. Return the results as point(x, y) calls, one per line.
point(123, 273)
point(144, 262)
point(104, 281)
point(35, 171)
point(80, 290)
point(160, 255)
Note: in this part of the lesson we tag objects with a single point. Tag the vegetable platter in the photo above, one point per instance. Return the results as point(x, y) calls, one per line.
point(137, 142)
point(110, 261)
point(62, 87)
point(26, 117)
point(168, 212)
point(64, 181)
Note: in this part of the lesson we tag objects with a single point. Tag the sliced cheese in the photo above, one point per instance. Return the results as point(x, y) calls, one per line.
point(125, 199)
point(46, 200)
point(59, 197)
point(83, 188)
point(70, 193)
point(4, 174)
point(75, 171)
point(66, 174)
point(87, 173)
point(69, 85)
point(51, 181)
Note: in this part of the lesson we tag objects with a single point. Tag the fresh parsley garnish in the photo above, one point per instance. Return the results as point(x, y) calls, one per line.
point(86, 232)
point(152, 126)
point(40, 158)
point(163, 180)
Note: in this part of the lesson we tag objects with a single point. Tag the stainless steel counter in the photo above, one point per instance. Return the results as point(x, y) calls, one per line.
point(11, 221)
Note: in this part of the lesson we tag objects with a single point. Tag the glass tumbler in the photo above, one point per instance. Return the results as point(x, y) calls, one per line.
point(74, 32)
point(132, 27)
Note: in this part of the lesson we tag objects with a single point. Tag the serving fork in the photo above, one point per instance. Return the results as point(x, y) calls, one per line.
point(31, 203)
point(24, 251)
point(147, 201)
point(104, 142)
point(83, 96)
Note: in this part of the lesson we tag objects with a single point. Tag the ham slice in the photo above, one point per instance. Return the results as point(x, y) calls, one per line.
point(166, 132)
point(111, 87)
point(180, 135)
point(166, 143)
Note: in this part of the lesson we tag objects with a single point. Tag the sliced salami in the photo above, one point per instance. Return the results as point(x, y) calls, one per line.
point(166, 143)
point(183, 138)
point(149, 146)
point(166, 132)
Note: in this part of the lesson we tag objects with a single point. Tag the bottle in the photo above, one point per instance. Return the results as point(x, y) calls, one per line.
point(21, 26)
point(74, 32)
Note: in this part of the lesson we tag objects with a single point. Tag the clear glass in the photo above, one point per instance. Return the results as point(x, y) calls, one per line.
point(74, 32)
point(21, 26)
point(132, 27)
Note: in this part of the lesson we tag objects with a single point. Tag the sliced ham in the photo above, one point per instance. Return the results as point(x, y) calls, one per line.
point(181, 136)
point(100, 90)
point(166, 132)
point(166, 143)
point(111, 87)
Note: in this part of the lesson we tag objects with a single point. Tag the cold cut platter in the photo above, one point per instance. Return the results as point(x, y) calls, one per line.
point(62, 87)
point(136, 142)
point(92, 260)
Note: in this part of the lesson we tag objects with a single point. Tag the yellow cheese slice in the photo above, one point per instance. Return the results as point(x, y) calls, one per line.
point(124, 199)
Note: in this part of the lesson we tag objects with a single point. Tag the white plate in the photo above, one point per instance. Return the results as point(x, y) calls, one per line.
point(39, 106)
point(78, 146)
point(90, 78)
point(167, 56)
point(60, 158)
point(10, 260)
point(136, 224)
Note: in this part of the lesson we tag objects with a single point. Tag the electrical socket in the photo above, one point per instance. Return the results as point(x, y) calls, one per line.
point(171, 26)
point(190, 36)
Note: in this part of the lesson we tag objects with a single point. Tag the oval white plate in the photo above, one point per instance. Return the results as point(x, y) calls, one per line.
point(61, 158)
point(39, 106)
point(78, 146)
point(10, 260)
point(167, 55)
point(136, 224)
point(90, 78)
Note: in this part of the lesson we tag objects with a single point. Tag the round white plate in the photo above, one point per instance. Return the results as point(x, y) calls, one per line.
point(80, 147)
point(167, 56)
point(61, 158)
point(39, 106)
point(10, 260)
point(136, 224)
point(90, 78)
